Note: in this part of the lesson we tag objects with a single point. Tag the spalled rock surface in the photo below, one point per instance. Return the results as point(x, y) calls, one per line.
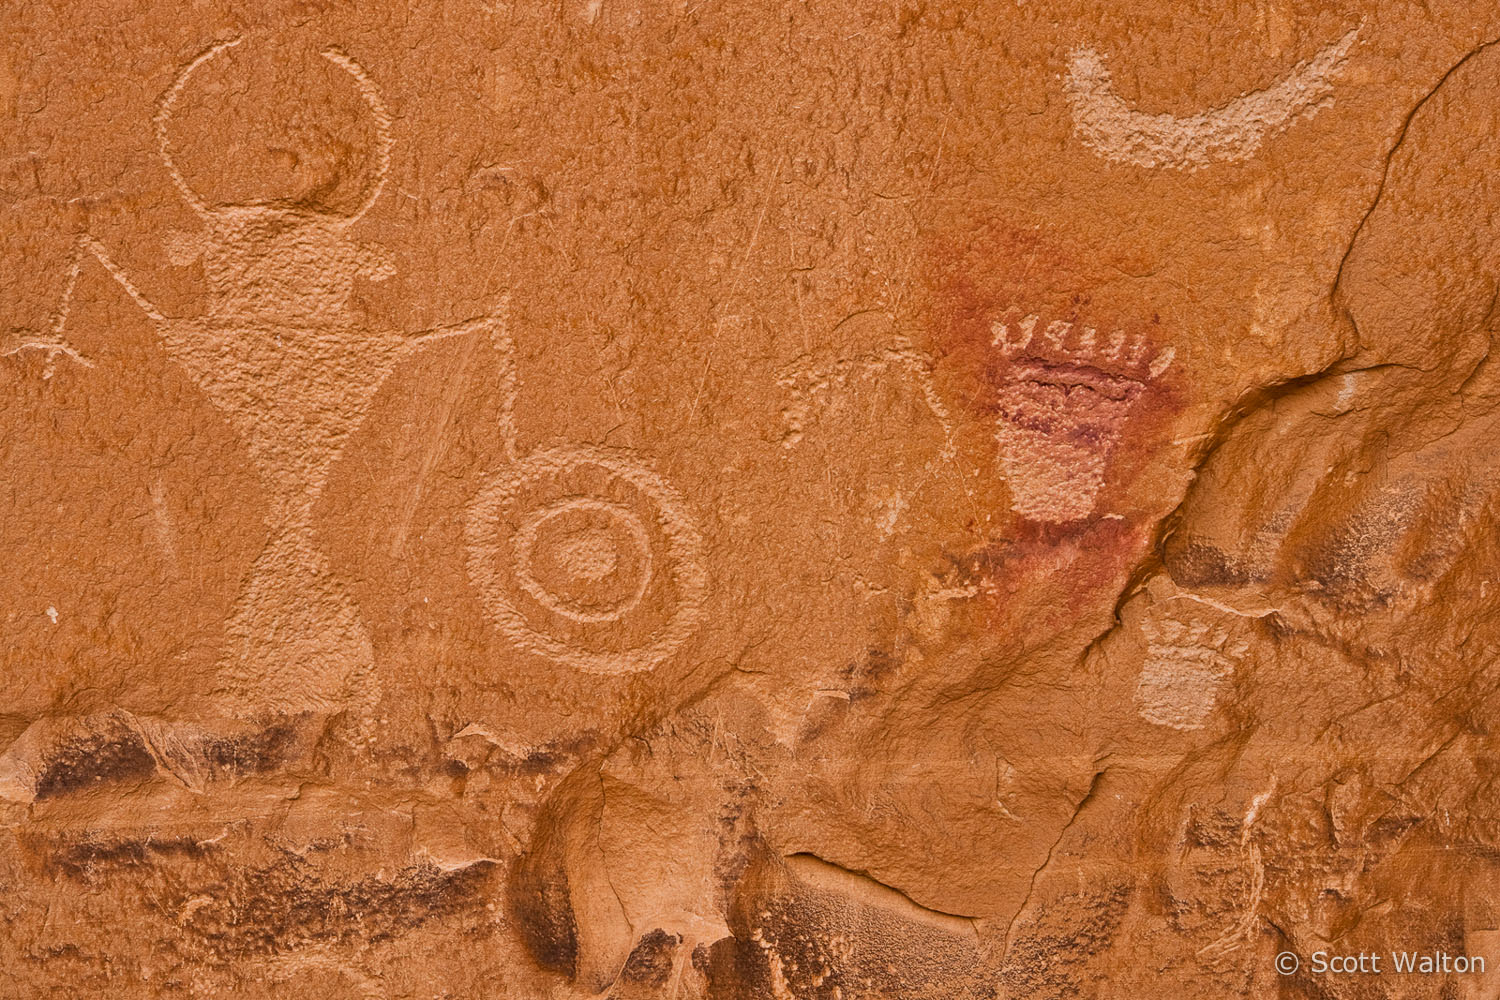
point(792, 501)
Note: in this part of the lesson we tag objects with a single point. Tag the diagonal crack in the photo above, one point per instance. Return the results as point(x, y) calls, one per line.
point(1391, 155)
point(1153, 558)
point(1031, 888)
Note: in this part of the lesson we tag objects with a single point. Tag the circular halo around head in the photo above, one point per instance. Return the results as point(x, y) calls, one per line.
point(383, 135)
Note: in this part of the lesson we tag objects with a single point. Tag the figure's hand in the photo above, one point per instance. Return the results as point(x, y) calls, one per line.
point(49, 344)
point(184, 248)
point(492, 327)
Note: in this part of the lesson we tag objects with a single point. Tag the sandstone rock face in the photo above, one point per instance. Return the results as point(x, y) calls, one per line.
point(792, 501)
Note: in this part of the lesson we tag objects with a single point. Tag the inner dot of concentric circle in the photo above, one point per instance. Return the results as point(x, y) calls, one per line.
point(590, 553)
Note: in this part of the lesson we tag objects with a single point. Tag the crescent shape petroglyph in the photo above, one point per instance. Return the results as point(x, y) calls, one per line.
point(1122, 134)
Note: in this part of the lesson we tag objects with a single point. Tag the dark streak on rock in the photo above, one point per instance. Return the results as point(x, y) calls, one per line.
point(75, 766)
point(275, 909)
point(650, 963)
point(1195, 563)
point(543, 914)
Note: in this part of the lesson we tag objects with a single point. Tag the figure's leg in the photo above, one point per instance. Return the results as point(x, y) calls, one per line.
point(295, 641)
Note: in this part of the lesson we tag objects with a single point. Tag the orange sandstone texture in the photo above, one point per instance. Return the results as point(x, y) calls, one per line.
point(792, 501)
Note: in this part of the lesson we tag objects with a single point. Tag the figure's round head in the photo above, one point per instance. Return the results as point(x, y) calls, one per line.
point(280, 260)
point(312, 174)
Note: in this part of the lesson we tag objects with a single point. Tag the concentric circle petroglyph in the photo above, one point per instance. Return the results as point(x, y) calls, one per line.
point(587, 557)
point(588, 554)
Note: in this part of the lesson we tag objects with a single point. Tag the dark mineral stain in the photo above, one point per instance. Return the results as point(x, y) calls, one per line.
point(91, 858)
point(1192, 562)
point(254, 753)
point(79, 764)
point(112, 750)
point(1052, 961)
point(266, 910)
point(540, 762)
point(234, 910)
point(861, 680)
point(650, 963)
point(539, 893)
point(1214, 830)
point(542, 909)
point(820, 943)
point(556, 756)
point(865, 675)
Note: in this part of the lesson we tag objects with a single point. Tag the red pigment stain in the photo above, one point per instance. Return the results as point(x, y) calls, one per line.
point(1075, 393)
point(1064, 384)
point(1047, 574)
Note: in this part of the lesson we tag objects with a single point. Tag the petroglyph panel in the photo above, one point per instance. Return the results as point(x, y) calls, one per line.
point(679, 501)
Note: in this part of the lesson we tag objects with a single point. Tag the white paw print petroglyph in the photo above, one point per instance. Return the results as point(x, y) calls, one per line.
point(591, 537)
point(1189, 658)
point(1064, 398)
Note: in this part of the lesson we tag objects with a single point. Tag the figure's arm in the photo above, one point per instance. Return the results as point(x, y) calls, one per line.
point(54, 342)
point(497, 330)
point(492, 327)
